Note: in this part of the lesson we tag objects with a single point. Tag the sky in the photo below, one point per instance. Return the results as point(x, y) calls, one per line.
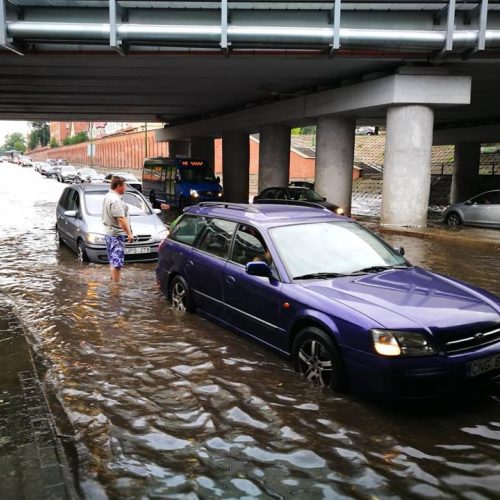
point(7, 127)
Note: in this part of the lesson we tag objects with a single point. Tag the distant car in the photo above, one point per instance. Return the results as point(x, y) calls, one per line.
point(24, 161)
point(67, 173)
point(130, 179)
point(80, 227)
point(88, 174)
point(481, 210)
point(49, 170)
point(298, 194)
point(37, 166)
point(366, 131)
point(348, 309)
point(304, 184)
point(62, 162)
point(51, 161)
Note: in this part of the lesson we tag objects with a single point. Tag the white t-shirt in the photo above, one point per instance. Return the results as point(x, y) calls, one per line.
point(113, 207)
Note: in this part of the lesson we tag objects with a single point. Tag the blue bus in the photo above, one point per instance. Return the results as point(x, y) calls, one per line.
point(179, 181)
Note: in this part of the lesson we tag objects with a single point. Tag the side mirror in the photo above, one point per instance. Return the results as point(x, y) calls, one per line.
point(323, 198)
point(468, 202)
point(217, 179)
point(70, 213)
point(258, 269)
point(400, 250)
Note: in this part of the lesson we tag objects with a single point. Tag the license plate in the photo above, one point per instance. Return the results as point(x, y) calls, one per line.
point(129, 250)
point(483, 365)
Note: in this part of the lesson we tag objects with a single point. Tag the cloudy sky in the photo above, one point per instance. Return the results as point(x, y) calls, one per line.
point(12, 126)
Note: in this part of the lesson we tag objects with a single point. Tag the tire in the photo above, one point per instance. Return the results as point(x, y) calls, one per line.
point(180, 295)
point(81, 253)
point(316, 356)
point(58, 236)
point(53, 176)
point(453, 219)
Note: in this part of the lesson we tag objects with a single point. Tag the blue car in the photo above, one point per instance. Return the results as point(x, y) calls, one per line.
point(349, 310)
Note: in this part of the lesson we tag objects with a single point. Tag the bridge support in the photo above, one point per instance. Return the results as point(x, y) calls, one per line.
point(203, 148)
point(274, 156)
point(334, 160)
point(179, 148)
point(465, 181)
point(407, 166)
point(235, 166)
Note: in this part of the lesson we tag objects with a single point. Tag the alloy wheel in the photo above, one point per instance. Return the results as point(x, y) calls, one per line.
point(453, 220)
point(179, 296)
point(315, 363)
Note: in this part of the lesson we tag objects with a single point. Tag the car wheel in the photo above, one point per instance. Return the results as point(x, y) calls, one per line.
point(81, 252)
point(53, 176)
point(453, 219)
point(180, 295)
point(316, 356)
point(58, 236)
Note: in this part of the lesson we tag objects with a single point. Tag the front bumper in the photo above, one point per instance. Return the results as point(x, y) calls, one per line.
point(99, 255)
point(423, 377)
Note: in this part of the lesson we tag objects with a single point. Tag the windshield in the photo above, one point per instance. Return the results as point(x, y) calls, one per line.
point(197, 174)
point(304, 195)
point(331, 247)
point(136, 204)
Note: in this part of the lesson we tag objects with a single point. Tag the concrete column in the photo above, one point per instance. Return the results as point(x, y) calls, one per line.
point(179, 148)
point(203, 148)
point(274, 156)
point(407, 166)
point(235, 166)
point(334, 160)
point(465, 180)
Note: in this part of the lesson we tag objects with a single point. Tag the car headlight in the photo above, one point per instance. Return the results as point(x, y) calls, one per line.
point(401, 343)
point(163, 234)
point(220, 194)
point(96, 238)
point(339, 211)
point(193, 193)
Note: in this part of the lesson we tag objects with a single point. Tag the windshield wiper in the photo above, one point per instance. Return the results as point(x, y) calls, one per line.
point(318, 276)
point(378, 269)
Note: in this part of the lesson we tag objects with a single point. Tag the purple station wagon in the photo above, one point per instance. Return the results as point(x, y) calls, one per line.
point(349, 310)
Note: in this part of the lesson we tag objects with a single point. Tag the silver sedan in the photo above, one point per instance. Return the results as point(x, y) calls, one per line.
point(481, 210)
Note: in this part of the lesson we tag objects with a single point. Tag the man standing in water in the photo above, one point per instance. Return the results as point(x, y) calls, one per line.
point(117, 224)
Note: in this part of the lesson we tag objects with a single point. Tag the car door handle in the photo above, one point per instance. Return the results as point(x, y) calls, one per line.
point(230, 280)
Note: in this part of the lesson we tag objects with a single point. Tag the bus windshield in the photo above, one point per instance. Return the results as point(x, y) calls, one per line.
point(197, 174)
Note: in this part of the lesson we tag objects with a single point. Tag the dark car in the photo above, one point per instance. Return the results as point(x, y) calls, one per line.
point(481, 210)
point(348, 309)
point(130, 179)
point(79, 224)
point(305, 184)
point(66, 173)
point(293, 193)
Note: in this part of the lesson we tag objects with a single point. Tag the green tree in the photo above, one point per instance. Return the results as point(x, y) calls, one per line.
point(76, 139)
point(53, 142)
point(39, 135)
point(15, 141)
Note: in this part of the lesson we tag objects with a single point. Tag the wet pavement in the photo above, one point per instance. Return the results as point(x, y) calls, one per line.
point(173, 406)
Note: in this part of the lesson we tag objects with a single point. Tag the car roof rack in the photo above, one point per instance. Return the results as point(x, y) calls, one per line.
point(300, 203)
point(233, 206)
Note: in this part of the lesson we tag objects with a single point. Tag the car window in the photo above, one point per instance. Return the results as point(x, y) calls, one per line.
point(269, 194)
point(495, 197)
point(65, 197)
point(74, 201)
point(281, 194)
point(188, 228)
point(249, 246)
point(137, 205)
point(216, 237)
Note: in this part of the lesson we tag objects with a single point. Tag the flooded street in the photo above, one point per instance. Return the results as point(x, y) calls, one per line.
point(173, 406)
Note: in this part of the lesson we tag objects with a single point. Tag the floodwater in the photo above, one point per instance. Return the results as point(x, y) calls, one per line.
point(170, 405)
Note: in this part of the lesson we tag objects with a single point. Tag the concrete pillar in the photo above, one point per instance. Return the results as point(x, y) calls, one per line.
point(203, 149)
point(235, 166)
point(179, 148)
point(465, 180)
point(274, 156)
point(407, 166)
point(334, 160)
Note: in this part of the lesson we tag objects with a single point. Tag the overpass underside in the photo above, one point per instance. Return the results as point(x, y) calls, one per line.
point(427, 70)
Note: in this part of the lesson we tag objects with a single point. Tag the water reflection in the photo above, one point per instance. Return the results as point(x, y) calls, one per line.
point(166, 404)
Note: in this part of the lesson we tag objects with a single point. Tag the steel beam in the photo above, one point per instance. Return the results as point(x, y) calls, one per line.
point(337, 8)
point(114, 41)
point(223, 25)
point(4, 40)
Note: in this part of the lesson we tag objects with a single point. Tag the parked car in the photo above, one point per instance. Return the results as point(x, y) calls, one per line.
point(299, 194)
point(66, 173)
point(481, 210)
point(37, 165)
point(24, 161)
point(88, 174)
point(366, 130)
point(79, 224)
point(50, 170)
point(349, 310)
point(62, 162)
point(130, 179)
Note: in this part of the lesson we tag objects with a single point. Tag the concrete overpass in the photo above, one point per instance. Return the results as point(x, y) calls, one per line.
point(428, 70)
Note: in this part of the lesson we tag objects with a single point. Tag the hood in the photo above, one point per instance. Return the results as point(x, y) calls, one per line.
point(411, 298)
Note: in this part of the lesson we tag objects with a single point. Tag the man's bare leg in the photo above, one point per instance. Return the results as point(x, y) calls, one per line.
point(115, 274)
